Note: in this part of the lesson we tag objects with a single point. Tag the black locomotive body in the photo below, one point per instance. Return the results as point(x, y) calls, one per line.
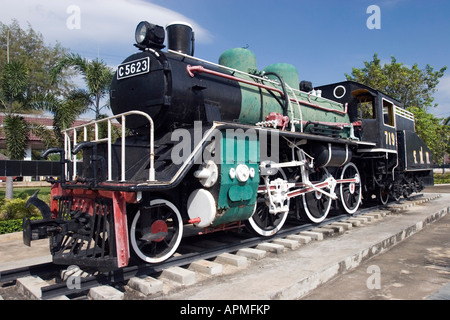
point(396, 161)
point(217, 147)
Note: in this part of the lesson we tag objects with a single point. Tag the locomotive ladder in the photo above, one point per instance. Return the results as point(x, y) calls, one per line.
point(68, 143)
point(294, 120)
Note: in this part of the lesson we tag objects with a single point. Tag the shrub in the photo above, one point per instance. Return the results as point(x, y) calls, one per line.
point(15, 209)
point(10, 226)
point(441, 178)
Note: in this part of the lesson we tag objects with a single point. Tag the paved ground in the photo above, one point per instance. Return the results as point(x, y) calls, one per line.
point(14, 254)
point(412, 270)
point(440, 188)
point(415, 268)
point(289, 275)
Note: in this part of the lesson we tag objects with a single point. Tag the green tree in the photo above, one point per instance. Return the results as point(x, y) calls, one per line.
point(447, 121)
point(414, 88)
point(96, 73)
point(432, 132)
point(13, 86)
point(14, 80)
point(25, 73)
point(65, 111)
point(28, 47)
point(25, 65)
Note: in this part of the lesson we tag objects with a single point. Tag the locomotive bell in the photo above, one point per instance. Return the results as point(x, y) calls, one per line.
point(180, 37)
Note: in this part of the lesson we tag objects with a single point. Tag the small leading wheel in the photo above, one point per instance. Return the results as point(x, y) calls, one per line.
point(397, 193)
point(316, 205)
point(156, 231)
point(383, 195)
point(350, 192)
point(262, 222)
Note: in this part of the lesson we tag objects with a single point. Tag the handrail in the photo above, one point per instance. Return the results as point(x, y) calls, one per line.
point(404, 113)
point(191, 70)
point(122, 116)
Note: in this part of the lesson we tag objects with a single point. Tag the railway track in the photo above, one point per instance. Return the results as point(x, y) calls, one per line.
point(76, 284)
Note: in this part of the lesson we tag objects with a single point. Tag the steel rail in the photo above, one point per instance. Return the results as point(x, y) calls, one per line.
point(34, 270)
point(127, 273)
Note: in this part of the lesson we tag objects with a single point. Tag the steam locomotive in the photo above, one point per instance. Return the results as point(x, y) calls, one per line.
point(219, 146)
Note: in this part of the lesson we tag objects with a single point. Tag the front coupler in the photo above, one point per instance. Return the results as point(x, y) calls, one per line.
point(41, 229)
point(85, 227)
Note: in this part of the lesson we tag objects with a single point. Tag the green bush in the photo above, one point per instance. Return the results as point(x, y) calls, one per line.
point(15, 225)
point(10, 226)
point(15, 209)
point(441, 178)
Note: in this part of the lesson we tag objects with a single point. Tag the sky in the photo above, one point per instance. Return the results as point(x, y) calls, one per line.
point(323, 39)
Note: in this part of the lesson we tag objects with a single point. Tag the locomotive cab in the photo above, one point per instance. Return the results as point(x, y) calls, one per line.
point(372, 113)
point(398, 161)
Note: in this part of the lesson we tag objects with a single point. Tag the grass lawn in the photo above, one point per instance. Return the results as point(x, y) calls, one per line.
point(440, 178)
point(23, 193)
point(12, 212)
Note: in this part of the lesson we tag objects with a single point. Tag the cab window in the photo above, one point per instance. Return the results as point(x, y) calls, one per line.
point(388, 113)
point(366, 109)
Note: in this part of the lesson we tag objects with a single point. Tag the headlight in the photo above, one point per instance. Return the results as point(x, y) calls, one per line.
point(149, 35)
point(141, 32)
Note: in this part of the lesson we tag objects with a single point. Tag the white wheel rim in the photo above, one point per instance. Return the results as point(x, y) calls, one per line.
point(305, 205)
point(268, 233)
point(134, 244)
point(356, 186)
point(309, 214)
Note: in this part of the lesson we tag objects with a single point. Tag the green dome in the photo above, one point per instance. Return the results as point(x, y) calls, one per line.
point(288, 72)
point(238, 58)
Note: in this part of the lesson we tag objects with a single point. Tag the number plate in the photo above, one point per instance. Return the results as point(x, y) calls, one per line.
point(133, 68)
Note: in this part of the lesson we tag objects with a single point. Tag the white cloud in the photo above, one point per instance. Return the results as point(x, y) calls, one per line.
point(105, 26)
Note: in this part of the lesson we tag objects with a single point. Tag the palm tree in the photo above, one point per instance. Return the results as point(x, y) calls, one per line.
point(96, 73)
point(447, 121)
point(14, 83)
point(65, 110)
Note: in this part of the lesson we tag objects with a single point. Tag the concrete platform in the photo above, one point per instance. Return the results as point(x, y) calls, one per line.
point(417, 268)
point(284, 274)
point(295, 273)
point(14, 254)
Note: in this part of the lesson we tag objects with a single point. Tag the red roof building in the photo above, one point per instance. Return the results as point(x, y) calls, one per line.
point(34, 142)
